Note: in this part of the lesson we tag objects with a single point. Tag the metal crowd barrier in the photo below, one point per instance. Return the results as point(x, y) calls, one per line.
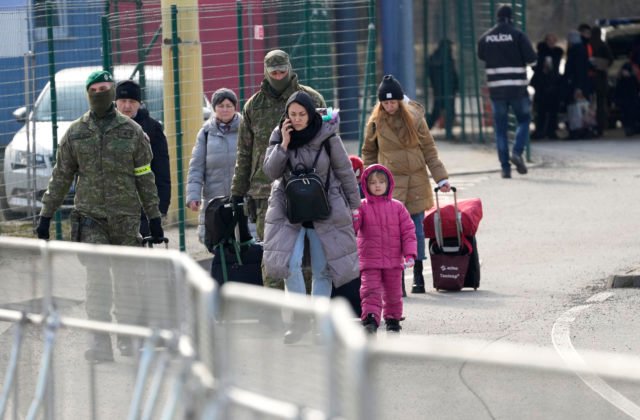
point(218, 353)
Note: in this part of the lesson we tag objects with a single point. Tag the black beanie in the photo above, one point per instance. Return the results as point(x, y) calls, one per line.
point(504, 12)
point(128, 89)
point(390, 88)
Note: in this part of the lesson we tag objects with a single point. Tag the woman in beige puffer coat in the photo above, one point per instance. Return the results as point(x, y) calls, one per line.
point(397, 136)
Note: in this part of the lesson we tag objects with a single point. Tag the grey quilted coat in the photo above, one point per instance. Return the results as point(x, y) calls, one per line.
point(336, 233)
point(212, 164)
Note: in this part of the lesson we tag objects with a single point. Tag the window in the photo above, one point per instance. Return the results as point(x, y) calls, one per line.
point(58, 18)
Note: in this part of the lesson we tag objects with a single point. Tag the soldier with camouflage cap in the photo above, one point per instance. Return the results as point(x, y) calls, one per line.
point(109, 156)
point(260, 115)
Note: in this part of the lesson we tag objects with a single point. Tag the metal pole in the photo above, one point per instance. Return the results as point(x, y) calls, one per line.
point(461, 67)
point(240, 52)
point(176, 100)
point(31, 148)
point(307, 42)
point(425, 53)
point(370, 68)
point(107, 63)
point(141, 55)
point(407, 71)
point(475, 69)
point(447, 91)
point(54, 100)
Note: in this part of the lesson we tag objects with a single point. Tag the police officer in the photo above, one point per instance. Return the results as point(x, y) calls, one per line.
point(507, 52)
point(129, 102)
point(110, 157)
point(260, 115)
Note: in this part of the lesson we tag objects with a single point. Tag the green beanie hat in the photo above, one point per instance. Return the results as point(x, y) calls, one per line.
point(97, 77)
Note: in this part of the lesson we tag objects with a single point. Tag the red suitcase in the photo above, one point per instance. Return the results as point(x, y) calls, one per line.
point(452, 246)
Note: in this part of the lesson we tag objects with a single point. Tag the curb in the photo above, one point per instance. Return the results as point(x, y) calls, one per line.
point(627, 280)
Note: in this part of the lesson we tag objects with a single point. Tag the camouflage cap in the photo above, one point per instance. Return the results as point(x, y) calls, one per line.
point(277, 60)
point(98, 76)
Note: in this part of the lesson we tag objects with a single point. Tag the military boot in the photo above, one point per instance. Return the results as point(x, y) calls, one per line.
point(418, 279)
point(100, 349)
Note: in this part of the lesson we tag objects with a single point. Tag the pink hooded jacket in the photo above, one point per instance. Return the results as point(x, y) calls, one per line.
point(384, 228)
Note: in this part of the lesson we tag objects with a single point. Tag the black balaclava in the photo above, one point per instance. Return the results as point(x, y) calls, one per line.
point(101, 103)
point(304, 136)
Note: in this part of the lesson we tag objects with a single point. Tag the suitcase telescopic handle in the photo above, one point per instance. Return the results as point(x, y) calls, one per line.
point(438, 222)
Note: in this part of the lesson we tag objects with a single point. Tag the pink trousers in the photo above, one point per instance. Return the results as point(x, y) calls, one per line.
point(381, 293)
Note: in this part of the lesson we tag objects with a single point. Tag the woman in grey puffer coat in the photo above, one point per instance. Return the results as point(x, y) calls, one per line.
point(334, 255)
point(213, 158)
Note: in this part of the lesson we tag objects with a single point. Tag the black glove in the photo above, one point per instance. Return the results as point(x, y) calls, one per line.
point(155, 227)
point(43, 227)
point(237, 199)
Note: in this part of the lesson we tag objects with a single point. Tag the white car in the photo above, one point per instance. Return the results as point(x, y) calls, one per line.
point(19, 182)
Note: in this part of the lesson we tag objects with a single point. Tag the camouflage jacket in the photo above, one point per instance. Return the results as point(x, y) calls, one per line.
point(260, 115)
point(113, 169)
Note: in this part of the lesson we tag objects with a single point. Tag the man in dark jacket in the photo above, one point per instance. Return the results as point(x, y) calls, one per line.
point(444, 81)
point(546, 81)
point(601, 61)
point(506, 52)
point(129, 102)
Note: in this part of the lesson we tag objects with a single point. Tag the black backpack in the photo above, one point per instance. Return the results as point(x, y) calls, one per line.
point(221, 217)
point(306, 194)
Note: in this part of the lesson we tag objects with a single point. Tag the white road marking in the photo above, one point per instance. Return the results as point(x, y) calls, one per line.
point(599, 297)
point(561, 338)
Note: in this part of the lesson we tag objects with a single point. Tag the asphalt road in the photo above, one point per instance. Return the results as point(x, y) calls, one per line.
point(548, 241)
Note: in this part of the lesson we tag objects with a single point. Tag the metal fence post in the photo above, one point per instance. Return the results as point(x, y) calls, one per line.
point(176, 100)
point(240, 52)
point(54, 100)
point(370, 68)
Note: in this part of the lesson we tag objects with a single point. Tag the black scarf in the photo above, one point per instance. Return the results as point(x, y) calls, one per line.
point(304, 136)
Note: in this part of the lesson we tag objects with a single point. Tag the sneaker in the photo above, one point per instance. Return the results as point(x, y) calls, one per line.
point(393, 325)
point(519, 162)
point(370, 325)
point(506, 174)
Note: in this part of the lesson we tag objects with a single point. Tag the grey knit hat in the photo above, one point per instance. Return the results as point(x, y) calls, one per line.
point(222, 94)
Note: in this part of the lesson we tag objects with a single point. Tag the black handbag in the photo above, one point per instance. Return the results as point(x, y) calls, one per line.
point(306, 195)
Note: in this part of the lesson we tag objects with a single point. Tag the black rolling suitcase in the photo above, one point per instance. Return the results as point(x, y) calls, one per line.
point(237, 257)
point(455, 262)
point(351, 292)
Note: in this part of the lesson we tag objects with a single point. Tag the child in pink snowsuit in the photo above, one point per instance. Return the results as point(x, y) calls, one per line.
point(386, 239)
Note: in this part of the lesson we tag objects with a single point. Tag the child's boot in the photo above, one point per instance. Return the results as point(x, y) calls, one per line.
point(370, 325)
point(418, 279)
point(393, 325)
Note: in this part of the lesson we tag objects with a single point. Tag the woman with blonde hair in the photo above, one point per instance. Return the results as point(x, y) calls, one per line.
point(397, 136)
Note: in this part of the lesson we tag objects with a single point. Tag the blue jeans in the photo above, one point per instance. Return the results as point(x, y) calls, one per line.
point(321, 284)
point(417, 220)
point(522, 109)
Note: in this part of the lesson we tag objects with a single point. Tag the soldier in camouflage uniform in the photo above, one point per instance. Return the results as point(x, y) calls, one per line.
point(260, 115)
point(110, 156)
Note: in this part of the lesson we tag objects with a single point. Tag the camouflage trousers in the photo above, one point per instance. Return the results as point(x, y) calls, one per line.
point(110, 281)
point(260, 207)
